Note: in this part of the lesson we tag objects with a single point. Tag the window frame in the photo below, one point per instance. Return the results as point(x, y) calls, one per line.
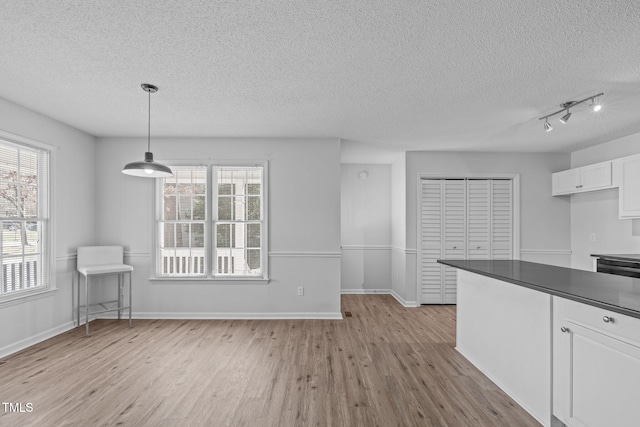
point(210, 223)
point(47, 219)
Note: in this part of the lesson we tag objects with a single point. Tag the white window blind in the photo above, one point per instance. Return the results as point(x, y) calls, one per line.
point(182, 223)
point(211, 222)
point(24, 214)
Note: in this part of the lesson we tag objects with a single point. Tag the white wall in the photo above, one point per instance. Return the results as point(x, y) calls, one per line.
point(544, 220)
point(597, 211)
point(366, 228)
point(38, 318)
point(399, 228)
point(304, 227)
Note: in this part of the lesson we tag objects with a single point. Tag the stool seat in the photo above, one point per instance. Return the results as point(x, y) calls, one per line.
point(105, 269)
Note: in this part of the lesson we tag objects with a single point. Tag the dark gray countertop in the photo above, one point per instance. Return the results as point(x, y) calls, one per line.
point(611, 292)
point(621, 257)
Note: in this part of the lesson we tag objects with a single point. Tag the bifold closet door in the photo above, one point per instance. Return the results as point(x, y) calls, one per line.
point(442, 235)
point(479, 217)
point(501, 237)
point(461, 219)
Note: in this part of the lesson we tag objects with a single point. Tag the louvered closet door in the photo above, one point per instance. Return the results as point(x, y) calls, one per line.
point(431, 236)
point(501, 219)
point(478, 218)
point(461, 219)
point(455, 236)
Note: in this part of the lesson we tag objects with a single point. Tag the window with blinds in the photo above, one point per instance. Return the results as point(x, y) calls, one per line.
point(211, 222)
point(24, 215)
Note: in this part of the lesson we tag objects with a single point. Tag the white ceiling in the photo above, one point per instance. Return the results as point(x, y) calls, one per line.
point(396, 74)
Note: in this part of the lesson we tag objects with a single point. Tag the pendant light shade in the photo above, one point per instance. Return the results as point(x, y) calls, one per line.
point(148, 168)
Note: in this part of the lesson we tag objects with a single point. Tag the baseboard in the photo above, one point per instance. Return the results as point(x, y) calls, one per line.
point(228, 316)
point(42, 336)
point(408, 304)
point(364, 291)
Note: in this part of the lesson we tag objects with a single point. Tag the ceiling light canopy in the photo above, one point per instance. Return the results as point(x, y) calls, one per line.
point(595, 106)
point(148, 168)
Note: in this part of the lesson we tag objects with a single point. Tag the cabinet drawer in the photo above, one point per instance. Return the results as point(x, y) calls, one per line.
point(614, 324)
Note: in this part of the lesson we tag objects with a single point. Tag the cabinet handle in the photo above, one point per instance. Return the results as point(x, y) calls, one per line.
point(563, 329)
point(578, 186)
point(607, 319)
point(478, 247)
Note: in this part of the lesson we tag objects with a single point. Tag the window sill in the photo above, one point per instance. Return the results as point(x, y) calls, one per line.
point(26, 296)
point(211, 280)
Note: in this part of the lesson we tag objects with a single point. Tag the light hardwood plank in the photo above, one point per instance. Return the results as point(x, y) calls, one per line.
point(385, 366)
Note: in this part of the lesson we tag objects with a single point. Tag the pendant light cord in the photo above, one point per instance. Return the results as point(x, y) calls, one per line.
point(149, 125)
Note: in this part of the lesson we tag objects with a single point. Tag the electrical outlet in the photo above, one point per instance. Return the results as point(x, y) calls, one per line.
point(592, 237)
point(300, 291)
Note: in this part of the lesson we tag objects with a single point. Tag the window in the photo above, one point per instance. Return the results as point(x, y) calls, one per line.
point(24, 214)
point(210, 222)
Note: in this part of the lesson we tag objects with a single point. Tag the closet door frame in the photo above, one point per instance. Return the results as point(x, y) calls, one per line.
point(515, 179)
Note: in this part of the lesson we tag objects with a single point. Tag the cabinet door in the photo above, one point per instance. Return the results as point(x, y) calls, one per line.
point(586, 178)
point(596, 378)
point(566, 182)
point(629, 193)
point(595, 176)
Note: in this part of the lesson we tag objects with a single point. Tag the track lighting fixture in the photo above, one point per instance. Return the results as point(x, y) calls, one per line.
point(148, 168)
point(565, 106)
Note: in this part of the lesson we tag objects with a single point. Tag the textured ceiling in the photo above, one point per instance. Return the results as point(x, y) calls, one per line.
point(396, 74)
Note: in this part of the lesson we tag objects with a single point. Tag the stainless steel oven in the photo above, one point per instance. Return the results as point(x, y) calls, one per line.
point(619, 267)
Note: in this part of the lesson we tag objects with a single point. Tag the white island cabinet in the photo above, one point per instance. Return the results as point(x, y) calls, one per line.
point(596, 366)
point(540, 333)
point(505, 331)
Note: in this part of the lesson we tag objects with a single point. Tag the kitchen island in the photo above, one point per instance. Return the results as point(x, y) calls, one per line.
point(563, 343)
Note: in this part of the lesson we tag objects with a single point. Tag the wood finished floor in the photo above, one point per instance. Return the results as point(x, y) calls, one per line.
point(385, 366)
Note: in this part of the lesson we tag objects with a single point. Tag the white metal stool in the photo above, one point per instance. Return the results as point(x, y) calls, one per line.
point(100, 261)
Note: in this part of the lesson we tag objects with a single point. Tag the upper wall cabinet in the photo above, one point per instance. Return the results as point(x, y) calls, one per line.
point(622, 173)
point(586, 178)
point(628, 175)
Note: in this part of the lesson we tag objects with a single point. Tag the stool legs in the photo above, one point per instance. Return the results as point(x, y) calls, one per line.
point(121, 285)
point(86, 321)
point(130, 297)
point(119, 294)
point(78, 297)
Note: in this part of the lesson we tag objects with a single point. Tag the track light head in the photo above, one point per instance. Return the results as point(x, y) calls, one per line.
point(596, 107)
point(547, 126)
point(566, 117)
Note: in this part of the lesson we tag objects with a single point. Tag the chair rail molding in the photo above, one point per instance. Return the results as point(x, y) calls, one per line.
point(304, 254)
point(547, 251)
point(366, 247)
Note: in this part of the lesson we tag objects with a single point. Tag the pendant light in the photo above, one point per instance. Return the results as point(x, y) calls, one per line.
point(148, 168)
